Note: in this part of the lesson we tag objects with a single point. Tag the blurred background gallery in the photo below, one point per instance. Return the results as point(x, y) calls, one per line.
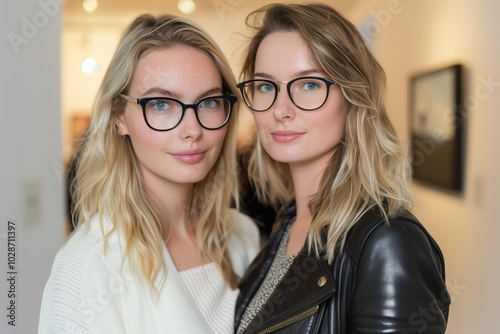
point(443, 97)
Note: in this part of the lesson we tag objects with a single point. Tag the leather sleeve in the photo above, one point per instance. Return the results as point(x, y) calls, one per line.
point(399, 285)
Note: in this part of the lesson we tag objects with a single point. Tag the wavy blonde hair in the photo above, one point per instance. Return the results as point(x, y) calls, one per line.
point(370, 167)
point(108, 180)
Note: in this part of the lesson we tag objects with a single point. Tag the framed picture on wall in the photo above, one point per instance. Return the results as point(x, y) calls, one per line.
point(436, 127)
point(79, 124)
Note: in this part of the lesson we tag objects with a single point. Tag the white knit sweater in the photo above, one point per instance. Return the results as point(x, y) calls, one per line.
point(89, 292)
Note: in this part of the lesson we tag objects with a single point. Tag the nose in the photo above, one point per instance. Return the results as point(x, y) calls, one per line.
point(190, 127)
point(283, 108)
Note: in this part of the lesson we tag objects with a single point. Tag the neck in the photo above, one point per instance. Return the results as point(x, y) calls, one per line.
point(181, 241)
point(173, 199)
point(306, 178)
point(305, 183)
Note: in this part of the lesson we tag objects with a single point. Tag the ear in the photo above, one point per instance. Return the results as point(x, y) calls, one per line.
point(121, 125)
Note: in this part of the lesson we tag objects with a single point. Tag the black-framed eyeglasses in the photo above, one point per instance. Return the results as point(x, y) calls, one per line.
point(164, 113)
point(307, 93)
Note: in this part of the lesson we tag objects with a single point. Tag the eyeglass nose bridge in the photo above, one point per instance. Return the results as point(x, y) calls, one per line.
point(283, 82)
point(289, 93)
point(185, 107)
point(278, 90)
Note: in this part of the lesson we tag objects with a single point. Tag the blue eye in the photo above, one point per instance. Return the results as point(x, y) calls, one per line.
point(159, 105)
point(265, 87)
point(210, 104)
point(311, 85)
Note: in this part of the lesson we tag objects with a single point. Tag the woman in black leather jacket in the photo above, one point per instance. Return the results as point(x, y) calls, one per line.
point(346, 255)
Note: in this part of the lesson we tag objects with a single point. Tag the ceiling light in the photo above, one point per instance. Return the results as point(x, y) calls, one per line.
point(90, 5)
point(186, 6)
point(89, 65)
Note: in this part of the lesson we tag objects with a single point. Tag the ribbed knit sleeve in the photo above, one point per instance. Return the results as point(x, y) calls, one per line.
point(62, 305)
point(79, 293)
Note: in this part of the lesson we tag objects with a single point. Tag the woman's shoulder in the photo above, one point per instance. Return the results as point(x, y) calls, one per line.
point(402, 254)
point(244, 226)
point(86, 237)
point(84, 252)
point(83, 270)
point(402, 234)
point(244, 243)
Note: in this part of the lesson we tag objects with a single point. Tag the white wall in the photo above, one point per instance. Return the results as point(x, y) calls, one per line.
point(30, 153)
point(411, 36)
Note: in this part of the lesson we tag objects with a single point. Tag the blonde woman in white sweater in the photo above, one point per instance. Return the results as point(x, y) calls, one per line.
point(156, 247)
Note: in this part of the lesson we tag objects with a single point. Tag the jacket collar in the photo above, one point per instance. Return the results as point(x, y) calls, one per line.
point(307, 283)
point(257, 271)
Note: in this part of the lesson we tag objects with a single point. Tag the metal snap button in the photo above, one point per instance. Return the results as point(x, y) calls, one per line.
point(321, 281)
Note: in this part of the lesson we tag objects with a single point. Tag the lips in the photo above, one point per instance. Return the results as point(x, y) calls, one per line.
point(189, 156)
point(286, 136)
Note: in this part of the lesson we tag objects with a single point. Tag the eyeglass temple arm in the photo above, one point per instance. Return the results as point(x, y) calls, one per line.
point(128, 98)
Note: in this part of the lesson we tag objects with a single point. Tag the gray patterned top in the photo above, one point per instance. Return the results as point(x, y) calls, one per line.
point(278, 269)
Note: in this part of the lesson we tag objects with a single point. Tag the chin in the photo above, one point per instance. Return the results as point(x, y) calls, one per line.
point(282, 156)
point(193, 177)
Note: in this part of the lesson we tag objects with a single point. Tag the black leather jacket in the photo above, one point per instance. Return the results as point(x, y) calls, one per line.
point(389, 279)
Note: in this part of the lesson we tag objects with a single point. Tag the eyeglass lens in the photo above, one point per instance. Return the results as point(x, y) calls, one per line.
point(306, 93)
point(165, 114)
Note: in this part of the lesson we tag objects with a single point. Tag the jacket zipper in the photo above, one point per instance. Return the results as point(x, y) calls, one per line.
point(289, 321)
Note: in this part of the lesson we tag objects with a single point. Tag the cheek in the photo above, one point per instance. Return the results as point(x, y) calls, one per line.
point(260, 120)
point(217, 137)
point(133, 121)
point(336, 117)
point(142, 137)
point(147, 147)
point(145, 140)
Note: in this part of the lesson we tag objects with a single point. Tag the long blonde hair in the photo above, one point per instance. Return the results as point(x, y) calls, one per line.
point(108, 180)
point(370, 168)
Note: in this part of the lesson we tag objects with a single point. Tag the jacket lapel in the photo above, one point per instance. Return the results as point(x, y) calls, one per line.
point(307, 284)
point(257, 271)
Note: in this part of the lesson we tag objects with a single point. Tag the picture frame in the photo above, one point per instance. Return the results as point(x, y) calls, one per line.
point(437, 127)
point(79, 123)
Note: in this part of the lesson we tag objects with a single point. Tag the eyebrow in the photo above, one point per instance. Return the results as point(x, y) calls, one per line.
point(295, 75)
point(166, 93)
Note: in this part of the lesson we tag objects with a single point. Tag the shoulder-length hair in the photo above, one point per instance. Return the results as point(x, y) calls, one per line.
point(370, 167)
point(108, 180)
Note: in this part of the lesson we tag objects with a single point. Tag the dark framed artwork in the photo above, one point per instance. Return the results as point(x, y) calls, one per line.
point(436, 127)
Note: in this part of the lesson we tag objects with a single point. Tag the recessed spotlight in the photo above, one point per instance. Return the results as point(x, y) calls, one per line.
point(186, 6)
point(90, 65)
point(90, 5)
